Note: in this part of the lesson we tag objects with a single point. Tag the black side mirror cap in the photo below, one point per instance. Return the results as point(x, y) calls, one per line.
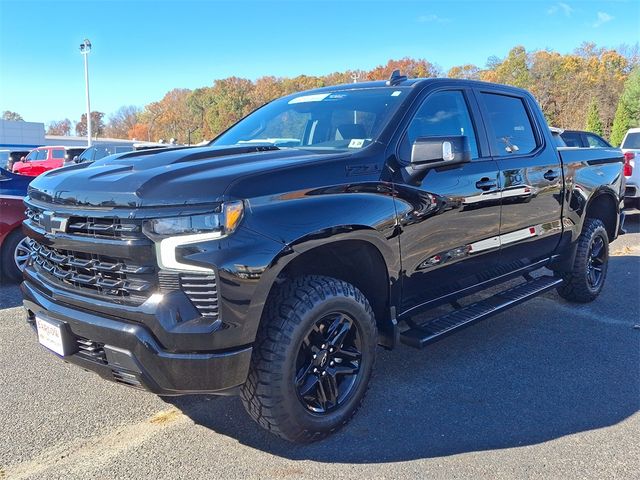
point(439, 151)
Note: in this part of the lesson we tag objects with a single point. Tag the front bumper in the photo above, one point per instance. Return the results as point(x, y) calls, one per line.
point(631, 191)
point(128, 352)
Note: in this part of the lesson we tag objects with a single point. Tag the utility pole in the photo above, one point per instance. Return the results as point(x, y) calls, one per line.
point(85, 48)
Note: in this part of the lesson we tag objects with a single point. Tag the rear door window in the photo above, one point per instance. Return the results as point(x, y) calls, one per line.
point(511, 125)
point(572, 139)
point(58, 153)
point(595, 142)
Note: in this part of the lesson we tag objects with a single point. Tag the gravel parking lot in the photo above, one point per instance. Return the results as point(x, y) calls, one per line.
point(546, 390)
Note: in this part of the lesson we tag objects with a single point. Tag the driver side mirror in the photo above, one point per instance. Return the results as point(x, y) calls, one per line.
point(428, 152)
point(76, 159)
point(23, 158)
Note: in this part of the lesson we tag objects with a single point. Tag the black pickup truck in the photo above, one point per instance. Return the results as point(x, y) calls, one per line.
point(272, 262)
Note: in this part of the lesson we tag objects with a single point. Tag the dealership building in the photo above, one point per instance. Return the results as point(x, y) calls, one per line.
point(28, 135)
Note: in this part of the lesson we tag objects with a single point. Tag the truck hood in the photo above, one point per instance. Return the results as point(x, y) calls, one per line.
point(172, 177)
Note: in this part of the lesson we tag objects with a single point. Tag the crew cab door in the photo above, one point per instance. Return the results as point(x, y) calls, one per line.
point(531, 177)
point(449, 219)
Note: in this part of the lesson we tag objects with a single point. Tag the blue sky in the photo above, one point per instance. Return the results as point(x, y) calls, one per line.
point(142, 49)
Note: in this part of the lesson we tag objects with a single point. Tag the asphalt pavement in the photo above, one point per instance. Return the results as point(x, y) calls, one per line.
point(548, 389)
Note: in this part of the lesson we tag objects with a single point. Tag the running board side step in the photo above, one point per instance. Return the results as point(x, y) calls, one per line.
point(433, 330)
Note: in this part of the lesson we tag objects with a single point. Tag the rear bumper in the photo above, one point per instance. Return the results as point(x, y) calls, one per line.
point(128, 353)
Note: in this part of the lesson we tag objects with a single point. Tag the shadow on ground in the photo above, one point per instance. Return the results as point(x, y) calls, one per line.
point(10, 295)
point(543, 370)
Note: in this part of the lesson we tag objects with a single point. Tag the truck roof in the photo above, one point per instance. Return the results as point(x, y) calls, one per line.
point(415, 82)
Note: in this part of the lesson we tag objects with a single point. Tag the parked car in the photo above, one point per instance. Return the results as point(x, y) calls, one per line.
point(631, 148)
point(43, 159)
point(274, 272)
point(14, 246)
point(556, 134)
point(96, 152)
point(578, 138)
point(9, 157)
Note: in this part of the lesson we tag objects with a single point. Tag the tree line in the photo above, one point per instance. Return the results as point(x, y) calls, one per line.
point(592, 88)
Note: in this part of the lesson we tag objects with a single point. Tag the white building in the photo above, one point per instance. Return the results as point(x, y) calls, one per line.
point(28, 135)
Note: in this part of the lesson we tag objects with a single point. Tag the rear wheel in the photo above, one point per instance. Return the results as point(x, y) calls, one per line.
point(15, 253)
point(585, 281)
point(312, 359)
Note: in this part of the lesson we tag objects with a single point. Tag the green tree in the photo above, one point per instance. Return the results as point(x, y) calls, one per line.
point(13, 116)
point(594, 124)
point(621, 123)
point(631, 96)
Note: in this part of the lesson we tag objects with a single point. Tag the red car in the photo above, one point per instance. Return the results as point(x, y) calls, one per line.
point(14, 246)
point(43, 159)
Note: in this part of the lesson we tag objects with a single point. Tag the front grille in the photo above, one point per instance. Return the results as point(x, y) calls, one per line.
point(92, 272)
point(201, 289)
point(92, 226)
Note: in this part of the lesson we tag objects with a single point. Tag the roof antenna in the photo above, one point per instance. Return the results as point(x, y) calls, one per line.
point(396, 78)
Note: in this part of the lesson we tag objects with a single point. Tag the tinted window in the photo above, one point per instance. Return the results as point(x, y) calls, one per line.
point(513, 133)
point(58, 153)
point(572, 139)
point(441, 114)
point(594, 141)
point(632, 140)
point(71, 153)
point(335, 120)
point(42, 154)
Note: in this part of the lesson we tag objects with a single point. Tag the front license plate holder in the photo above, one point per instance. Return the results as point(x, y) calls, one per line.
point(54, 335)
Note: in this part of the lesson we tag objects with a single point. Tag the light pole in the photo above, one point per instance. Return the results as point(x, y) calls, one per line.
point(85, 48)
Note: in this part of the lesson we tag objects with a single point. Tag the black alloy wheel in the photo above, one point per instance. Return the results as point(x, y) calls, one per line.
point(328, 363)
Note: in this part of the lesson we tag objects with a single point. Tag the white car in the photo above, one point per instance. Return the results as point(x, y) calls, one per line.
point(631, 149)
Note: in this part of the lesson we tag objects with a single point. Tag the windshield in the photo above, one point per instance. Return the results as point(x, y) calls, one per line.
point(632, 140)
point(337, 120)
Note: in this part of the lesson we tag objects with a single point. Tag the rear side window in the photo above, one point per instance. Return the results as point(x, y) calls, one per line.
point(596, 142)
point(632, 140)
point(58, 153)
point(511, 125)
point(572, 139)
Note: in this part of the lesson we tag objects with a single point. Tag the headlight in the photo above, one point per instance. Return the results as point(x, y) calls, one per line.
point(224, 222)
point(172, 232)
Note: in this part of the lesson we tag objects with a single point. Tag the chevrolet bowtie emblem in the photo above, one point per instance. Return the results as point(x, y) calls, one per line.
point(53, 224)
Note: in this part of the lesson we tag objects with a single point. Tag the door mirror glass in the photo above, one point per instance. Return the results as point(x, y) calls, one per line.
point(441, 150)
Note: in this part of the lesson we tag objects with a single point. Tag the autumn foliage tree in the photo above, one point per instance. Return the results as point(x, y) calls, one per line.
point(97, 125)
point(565, 85)
point(60, 127)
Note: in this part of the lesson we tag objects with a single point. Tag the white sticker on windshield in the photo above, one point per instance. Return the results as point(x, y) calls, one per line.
point(396, 93)
point(318, 97)
point(356, 143)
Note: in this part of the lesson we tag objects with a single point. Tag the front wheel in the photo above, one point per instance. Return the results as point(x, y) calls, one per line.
point(312, 359)
point(15, 253)
point(586, 279)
